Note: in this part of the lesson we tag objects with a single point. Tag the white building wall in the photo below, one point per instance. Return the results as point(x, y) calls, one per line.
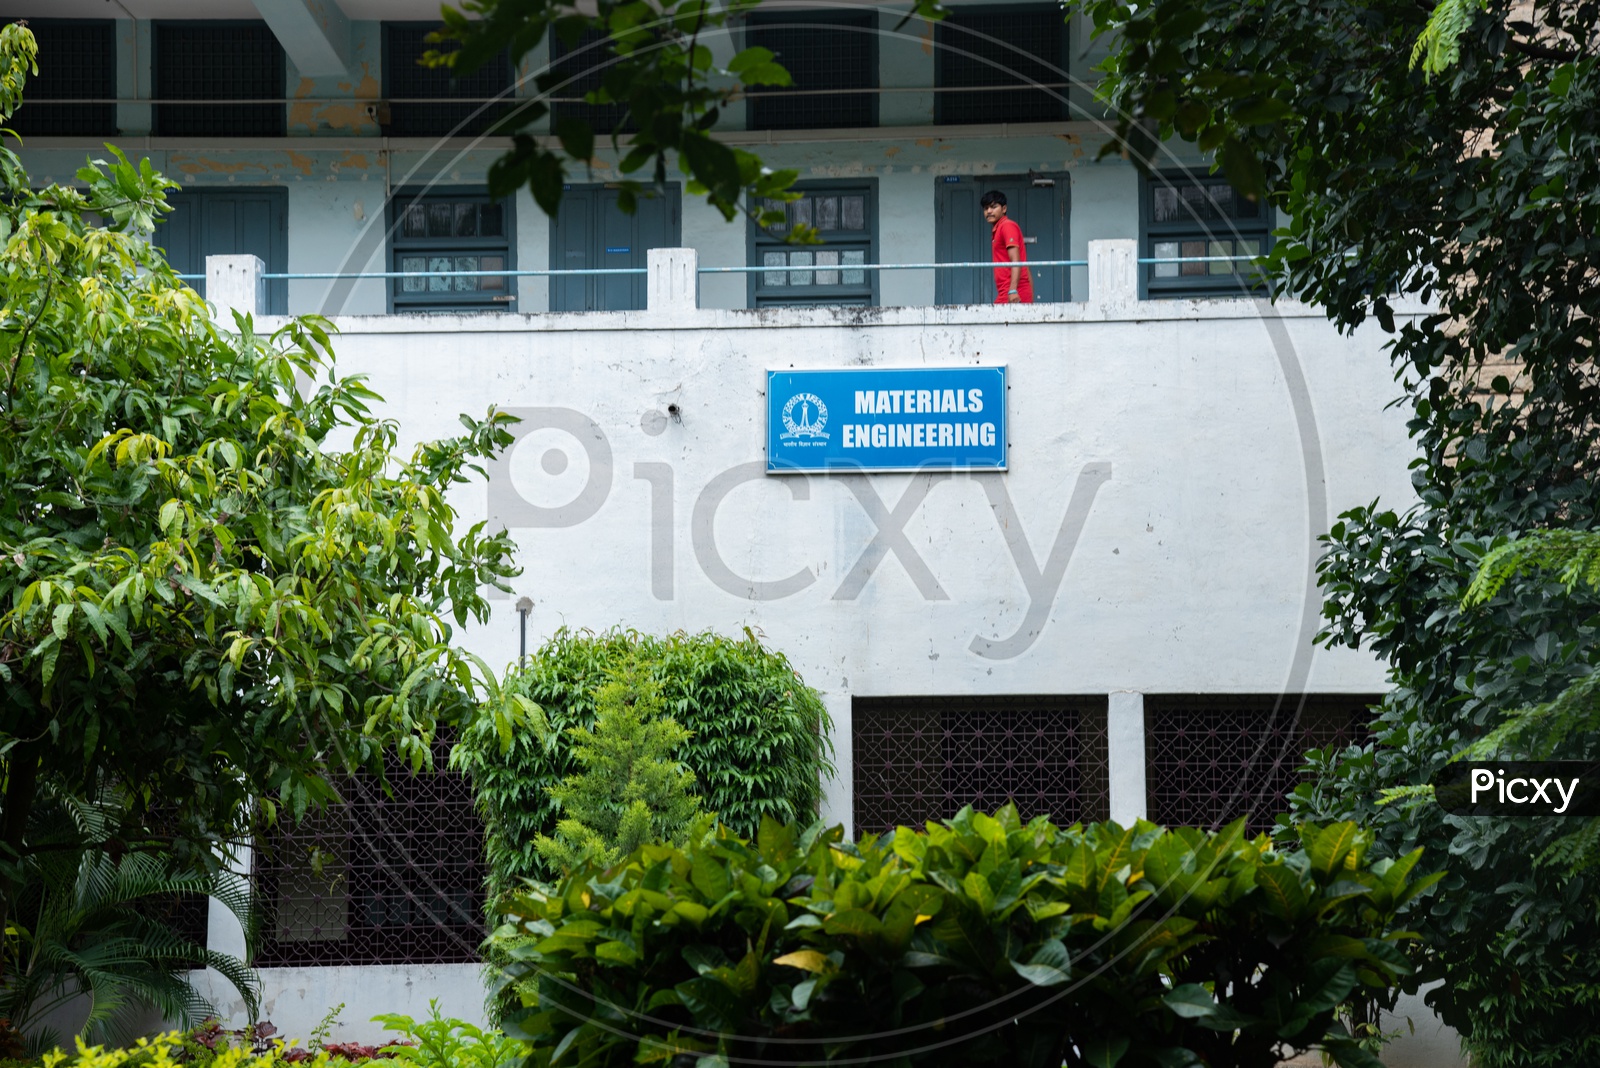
point(1190, 574)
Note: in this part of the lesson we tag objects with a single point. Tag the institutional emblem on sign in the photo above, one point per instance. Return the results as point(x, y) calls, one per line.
point(804, 417)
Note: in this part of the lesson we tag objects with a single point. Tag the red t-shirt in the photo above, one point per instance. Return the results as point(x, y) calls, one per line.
point(1008, 235)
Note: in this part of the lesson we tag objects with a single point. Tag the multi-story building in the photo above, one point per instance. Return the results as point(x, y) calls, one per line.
point(1110, 615)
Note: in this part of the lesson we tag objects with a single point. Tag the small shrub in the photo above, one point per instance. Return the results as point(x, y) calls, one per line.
point(981, 941)
point(758, 744)
point(442, 1042)
point(630, 790)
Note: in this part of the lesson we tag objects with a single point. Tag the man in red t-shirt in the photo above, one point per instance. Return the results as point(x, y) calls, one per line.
point(1012, 282)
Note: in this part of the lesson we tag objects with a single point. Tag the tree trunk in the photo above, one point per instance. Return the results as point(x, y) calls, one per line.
point(22, 782)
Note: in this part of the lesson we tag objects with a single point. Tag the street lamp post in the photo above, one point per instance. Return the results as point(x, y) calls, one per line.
point(524, 606)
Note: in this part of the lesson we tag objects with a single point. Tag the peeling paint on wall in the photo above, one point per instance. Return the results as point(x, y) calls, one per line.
point(198, 165)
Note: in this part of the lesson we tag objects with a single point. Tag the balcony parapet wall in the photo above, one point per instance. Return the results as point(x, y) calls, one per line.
point(673, 305)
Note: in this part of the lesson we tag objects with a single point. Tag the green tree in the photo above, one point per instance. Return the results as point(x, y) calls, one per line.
point(631, 789)
point(89, 929)
point(1450, 153)
point(220, 578)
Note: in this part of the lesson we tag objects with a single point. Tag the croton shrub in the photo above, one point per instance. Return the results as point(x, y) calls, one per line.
point(983, 940)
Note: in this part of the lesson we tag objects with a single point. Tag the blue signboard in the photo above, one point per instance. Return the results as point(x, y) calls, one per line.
point(887, 419)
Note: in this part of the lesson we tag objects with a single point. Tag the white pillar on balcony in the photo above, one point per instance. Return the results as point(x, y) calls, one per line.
point(235, 283)
point(1125, 745)
point(1113, 273)
point(674, 280)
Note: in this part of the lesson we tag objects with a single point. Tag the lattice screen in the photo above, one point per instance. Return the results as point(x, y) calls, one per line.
point(584, 63)
point(218, 61)
point(77, 61)
point(405, 78)
point(977, 49)
point(186, 915)
point(923, 758)
point(1210, 760)
point(379, 879)
point(830, 51)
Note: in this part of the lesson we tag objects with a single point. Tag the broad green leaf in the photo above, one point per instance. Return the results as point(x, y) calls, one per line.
point(1191, 1001)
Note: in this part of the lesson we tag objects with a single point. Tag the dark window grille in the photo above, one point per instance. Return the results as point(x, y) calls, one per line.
point(218, 61)
point(978, 49)
point(186, 915)
point(379, 879)
point(576, 70)
point(922, 758)
point(1184, 216)
point(835, 50)
point(1210, 760)
point(77, 61)
point(845, 217)
point(439, 233)
point(404, 44)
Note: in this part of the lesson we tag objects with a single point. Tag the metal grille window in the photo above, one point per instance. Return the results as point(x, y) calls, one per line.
point(845, 218)
point(441, 233)
point(186, 915)
point(981, 52)
point(1185, 217)
point(825, 53)
point(77, 61)
point(419, 96)
point(380, 879)
point(578, 69)
point(1210, 760)
point(224, 64)
point(922, 758)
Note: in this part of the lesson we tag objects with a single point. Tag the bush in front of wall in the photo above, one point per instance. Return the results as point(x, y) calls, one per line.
point(981, 941)
point(758, 736)
point(631, 790)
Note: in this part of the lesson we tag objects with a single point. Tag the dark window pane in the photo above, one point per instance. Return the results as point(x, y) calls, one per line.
point(826, 54)
point(466, 220)
point(577, 70)
point(491, 220)
point(377, 879)
point(1222, 198)
point(922, 758)
point(425, 93)
point(236, 61)
point(978, 50)
point(441, 220)
point(77, 61)
point(1210, 760)
point(853, 213)
point(416, 221)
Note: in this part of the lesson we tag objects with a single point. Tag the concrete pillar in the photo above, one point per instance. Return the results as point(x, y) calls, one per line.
point(235, 284)
point(674, 279)
point(1125, 748)
point(1113, 273)
point(223, 932)
point(315, 35)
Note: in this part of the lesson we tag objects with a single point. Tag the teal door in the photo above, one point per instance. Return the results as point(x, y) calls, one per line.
point(229, 223)
point(592, 231)
point(1038, 203)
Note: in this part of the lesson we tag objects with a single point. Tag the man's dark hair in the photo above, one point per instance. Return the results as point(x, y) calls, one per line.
point(993, 196)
